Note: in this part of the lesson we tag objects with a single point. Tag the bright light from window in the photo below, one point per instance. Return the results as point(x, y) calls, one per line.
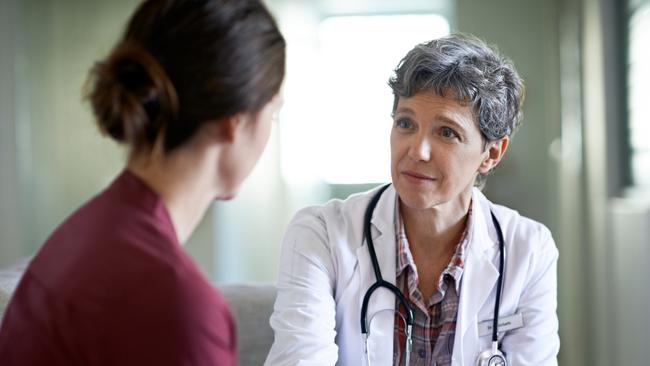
point(639, 79)
point(335, 124)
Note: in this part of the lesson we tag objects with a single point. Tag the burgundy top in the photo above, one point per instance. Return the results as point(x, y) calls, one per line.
point(112, 286)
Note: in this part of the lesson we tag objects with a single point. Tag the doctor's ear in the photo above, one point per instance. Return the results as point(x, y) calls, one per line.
point(494, 152)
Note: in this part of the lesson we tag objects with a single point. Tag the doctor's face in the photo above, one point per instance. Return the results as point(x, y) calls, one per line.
point(436, 149)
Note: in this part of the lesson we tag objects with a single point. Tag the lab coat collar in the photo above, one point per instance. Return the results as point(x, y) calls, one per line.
point(382, 303)
point(479, 278)
point(383, 218)
point(483, 235)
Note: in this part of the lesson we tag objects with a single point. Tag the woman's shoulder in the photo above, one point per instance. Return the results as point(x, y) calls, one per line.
point(335, 212)
point(109, 240)
point(335, 226)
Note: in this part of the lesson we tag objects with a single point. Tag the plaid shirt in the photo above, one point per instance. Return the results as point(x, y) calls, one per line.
point(434, 323)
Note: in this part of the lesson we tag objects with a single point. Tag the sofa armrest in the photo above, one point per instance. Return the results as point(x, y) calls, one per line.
point(9, 278)
point(251, 306)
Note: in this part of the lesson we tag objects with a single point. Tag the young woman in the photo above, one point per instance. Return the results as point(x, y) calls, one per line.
point(191, 89)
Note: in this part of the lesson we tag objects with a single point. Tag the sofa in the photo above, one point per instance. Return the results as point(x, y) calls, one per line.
point(251, 305)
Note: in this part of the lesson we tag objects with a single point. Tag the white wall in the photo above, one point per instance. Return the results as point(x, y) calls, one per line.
point(10, 223)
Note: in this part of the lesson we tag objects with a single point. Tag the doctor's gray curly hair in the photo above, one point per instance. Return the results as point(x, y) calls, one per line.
point(466, 68)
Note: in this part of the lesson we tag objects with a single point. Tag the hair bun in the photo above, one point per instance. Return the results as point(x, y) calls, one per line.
point(131, 95)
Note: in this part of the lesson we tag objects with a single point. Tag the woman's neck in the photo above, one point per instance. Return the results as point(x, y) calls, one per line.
point(437, 230)
point(184, 179)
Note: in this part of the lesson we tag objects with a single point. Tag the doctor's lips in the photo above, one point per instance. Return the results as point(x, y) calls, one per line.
point(417, 177)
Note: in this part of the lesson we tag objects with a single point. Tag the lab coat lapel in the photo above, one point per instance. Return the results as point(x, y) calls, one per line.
point(479, 279)
point(382, 303)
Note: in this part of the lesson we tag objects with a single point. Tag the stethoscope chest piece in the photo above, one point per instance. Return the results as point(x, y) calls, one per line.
point(491, 358)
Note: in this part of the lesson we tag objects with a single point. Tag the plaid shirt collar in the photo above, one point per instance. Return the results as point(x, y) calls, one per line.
point(457, 262)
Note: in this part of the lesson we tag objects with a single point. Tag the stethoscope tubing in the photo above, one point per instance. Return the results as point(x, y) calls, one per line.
point(381, 283)
point(497, 301)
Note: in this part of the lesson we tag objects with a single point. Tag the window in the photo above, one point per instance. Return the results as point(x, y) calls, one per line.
point(639, 92)
point(336, 122)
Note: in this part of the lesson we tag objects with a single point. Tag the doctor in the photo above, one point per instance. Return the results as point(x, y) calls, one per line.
point(453, 258)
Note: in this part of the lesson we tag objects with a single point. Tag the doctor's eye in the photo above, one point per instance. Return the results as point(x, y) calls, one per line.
point(448, 133)
point(404, 123)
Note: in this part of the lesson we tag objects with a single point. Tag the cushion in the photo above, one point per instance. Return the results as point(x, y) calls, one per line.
point(9, 278)
point(251, 306)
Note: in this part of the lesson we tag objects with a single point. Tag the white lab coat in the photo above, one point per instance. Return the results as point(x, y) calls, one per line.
point(325, 270)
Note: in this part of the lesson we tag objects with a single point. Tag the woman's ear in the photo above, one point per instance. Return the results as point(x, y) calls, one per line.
point(225, 130)
point(495, 151)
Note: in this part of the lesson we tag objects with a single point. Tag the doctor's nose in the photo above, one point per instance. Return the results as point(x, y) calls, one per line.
point(420, 149)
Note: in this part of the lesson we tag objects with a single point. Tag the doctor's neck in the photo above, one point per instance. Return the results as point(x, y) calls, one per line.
point(440, 227)
point(183, 178)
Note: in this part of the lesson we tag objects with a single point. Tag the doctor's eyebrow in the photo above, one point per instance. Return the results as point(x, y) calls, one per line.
point(440, 117)
point(404, 110)
point(451, 121)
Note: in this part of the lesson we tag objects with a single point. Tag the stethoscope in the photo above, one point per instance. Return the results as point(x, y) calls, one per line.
point(490, 357)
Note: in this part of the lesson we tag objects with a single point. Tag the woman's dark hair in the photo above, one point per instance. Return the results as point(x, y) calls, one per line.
point(182, 63)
